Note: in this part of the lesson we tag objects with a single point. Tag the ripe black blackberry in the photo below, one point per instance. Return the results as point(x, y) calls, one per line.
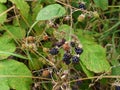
point(66, 58)
point(54, 51)
point(75, 59)
point(78, 50)
point(82, 6)
point(117, 87)
point(67, 62)
point(72, 44)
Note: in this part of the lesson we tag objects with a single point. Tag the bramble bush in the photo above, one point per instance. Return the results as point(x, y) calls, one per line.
point(59, 45)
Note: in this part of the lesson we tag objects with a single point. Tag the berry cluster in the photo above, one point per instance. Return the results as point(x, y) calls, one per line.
point(68, 57)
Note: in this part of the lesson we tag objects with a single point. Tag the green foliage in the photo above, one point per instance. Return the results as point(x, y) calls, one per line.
point(50, 12)
point(15, 31)
point(6, 45)
point(3, 1)
point(66, 29)
point(31, 29)
point(103, 4)
point(94, 56)
point(88, 73)
point(3, 16)
point(22, 6)
point(14, 75)
point(116, 70)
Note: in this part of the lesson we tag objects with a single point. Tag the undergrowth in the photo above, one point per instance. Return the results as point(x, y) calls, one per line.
point(59, 44)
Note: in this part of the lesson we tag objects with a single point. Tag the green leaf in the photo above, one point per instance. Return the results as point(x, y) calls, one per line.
point(3, 1)
point(15, 32)
point(22, 6)
point(13, 54)
point(94, 55)
point(36, 63)
point(36, 8)
point(14, 75)
point(46, 1)
point(6, 45)
point(50, 12)
point(3, 16)
point(103, 4)
point(116, 70)
point(63, 29)
point(87, 72)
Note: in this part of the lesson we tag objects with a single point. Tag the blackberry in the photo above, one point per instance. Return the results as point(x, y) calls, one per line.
point(78, 50)
point(54, 51)
point(66, 58)
point(67, 62)
point(60, 43)
point(75, 59)
point(82, 6)
point(72, 44)
point(117, 87)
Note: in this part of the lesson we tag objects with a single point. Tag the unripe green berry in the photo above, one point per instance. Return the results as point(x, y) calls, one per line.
point(95, 14)
point(81, 18)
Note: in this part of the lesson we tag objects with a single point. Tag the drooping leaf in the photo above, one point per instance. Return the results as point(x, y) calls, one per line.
point(22, 6)
point(50, 12)
point(14, 75)
point(15, 32)
point(3, 16)
point(94, 55)
point(103, 4)
point(3, 1)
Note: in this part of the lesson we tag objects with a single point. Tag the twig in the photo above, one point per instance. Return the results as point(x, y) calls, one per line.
point(76, 9)
point(82, 79)
point(7, 10)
